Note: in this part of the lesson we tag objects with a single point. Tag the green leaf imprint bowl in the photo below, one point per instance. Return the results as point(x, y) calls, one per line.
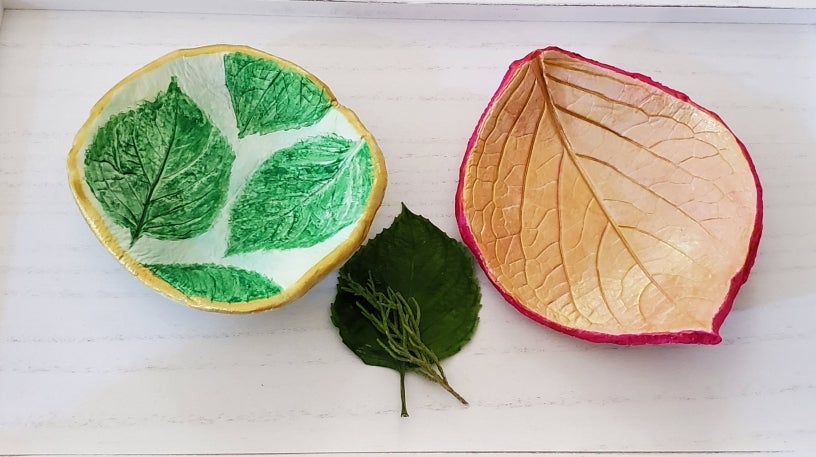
point(226, 178)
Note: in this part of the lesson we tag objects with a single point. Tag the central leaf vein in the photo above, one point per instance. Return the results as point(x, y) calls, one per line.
point(574, 159)
point(148, 199)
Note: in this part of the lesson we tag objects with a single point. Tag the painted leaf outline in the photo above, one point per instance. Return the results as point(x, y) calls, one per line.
point(607, 206)
point(216, 282)
point(416, 259)
point(267, 96)
point(302, 195)
point(161, 169)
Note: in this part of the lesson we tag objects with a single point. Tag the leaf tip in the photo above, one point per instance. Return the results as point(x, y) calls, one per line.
point(404, 211)
point(233, 248)
point(174, 84)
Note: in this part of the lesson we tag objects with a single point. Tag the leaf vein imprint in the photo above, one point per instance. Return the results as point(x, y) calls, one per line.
point(540, 74)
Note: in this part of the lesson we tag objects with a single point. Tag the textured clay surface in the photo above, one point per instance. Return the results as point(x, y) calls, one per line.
point(607, 206)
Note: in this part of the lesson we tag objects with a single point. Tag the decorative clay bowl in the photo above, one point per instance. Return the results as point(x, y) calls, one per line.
point(607, 206)
point(226, 178)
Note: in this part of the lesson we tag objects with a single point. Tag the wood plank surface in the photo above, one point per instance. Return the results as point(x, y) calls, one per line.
point(93, 362)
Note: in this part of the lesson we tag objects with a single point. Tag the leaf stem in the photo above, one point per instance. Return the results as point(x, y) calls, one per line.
point(404, 410)
point(397, 320)
point(434, 377)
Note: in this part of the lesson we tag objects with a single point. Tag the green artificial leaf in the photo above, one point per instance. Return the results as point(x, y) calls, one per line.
point(216, 282)
point(302, 195)
point(420, 263)
point(161, 169)
point(267, 97)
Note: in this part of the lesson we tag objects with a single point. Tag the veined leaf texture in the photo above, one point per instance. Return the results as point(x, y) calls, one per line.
point(607, 206)
point(268, 97)
point(161, 169)
point(216, 282)
point(302, 195)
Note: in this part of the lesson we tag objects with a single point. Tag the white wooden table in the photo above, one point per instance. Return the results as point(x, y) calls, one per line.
point(93, 362)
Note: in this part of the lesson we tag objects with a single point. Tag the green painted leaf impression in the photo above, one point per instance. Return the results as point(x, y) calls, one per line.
point(411, 289)
point(161, 169)
point(216, 282)
point(302, 195)
point(267, 97)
